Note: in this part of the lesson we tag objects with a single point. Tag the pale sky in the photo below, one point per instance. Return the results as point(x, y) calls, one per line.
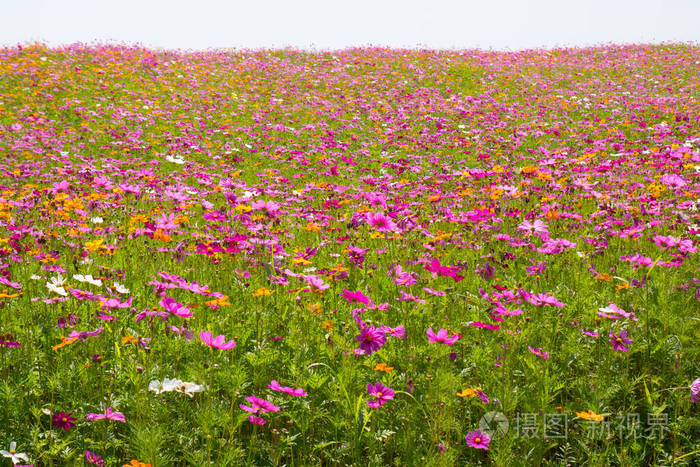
point(330, 24)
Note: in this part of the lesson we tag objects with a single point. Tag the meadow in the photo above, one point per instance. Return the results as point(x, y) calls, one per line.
point(359, 257)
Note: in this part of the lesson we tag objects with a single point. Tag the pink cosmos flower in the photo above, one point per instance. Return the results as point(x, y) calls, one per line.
point(442, 336)
point(218, 343)
point(108, 304)
point(381, 222)
point(478, 440)
point(545, 299)
point(538, 268)
point(637, 260)
point(152, 314)
point(258, 405)
point(109, 414)
point(381, 394)
point(438, 293)
point(664, 242)
point(256, 420)
point(175, 308)
point(537, 227)
point(275, 386)
point(673, 180)
point(448, 271)
point(686, 246)
point(315, 282)
point(83, 335)
point(620, 341)
point(166, 222)
point(479, 324)
point(14, 285)
point(399, 331)
point(612, 311)
point(407, 297)
point(539, 352)
point(356, 296)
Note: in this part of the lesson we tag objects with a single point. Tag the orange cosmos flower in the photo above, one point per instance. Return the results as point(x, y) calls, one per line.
point(590, 415)
point(383, 367)
point(65, 342)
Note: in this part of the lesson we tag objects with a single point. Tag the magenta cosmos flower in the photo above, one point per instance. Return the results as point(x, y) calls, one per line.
point(63, 420)
point(442, 336)
point(381, 393)
point(620, 341)
point(109, 415)
point(218, 343)
point(371, 339)
point(258, 405)
point(93, 458)
point(356, 296)
point(478, 440)
point(695, 391)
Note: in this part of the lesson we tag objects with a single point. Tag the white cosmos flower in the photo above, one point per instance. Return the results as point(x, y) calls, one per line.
point(56, 289)
point(97, 220)
point(190, 388)
point(175, 159)
point(58, 280)
point(174, 384)
point(120, 288)
point(15, 456)
point(88, 278)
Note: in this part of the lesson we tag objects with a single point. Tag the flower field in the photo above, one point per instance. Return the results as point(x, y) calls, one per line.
point(361, 257)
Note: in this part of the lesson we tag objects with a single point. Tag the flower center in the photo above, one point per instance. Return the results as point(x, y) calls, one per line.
point(618, 340)
point(379, 394)
point(477, 440)
point(64, 419)
point(12, 451)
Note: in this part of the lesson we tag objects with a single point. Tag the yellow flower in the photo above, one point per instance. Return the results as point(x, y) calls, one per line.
point(327, 325)
point(296, 261)
point(590, 415)
point(94, 245)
